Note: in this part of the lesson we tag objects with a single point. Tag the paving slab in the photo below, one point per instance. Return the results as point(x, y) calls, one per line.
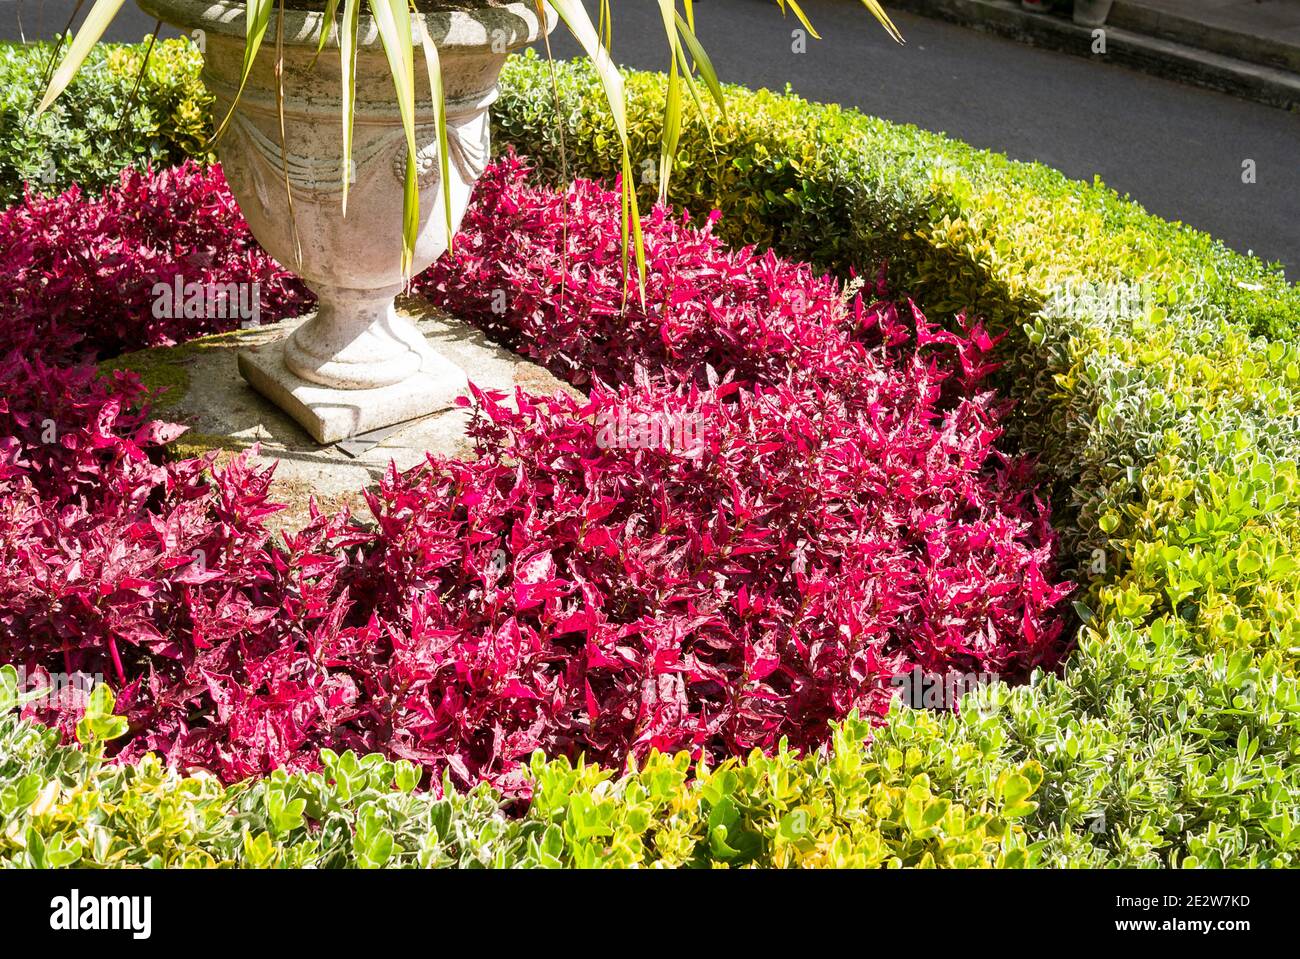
point(198, 385)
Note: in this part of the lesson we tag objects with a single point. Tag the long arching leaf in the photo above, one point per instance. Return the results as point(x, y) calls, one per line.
point(702, 62)
point(575, 18)
point(348, 78)
point(799, 13)
point(438, 97)
point(327, 26)
point(695, 96)
point(579, 24)
point(257, 16)
point(878, 12)
point(394, 23)
point(672, 127)
point(97, 21)
point(284, 142)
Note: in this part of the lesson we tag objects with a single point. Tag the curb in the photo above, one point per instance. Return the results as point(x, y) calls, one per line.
point(1166, 58)
point(1180, 28)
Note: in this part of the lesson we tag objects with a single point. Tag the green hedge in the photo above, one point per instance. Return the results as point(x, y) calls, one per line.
point(1165, 416)
point(1168, 428)
point(1144, 754)
point(96, 128)
point(64, 806)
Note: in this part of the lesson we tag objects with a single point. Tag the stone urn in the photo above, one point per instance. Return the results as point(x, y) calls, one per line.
point(1092, 13)
point(358, 364)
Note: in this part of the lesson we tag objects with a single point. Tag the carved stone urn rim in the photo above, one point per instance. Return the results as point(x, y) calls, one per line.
point(452, 30)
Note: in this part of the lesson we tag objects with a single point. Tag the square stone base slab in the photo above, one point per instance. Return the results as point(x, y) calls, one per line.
point(198, 384)
point(330, 415)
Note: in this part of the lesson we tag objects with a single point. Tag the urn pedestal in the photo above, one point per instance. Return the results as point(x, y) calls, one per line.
point(358, 364)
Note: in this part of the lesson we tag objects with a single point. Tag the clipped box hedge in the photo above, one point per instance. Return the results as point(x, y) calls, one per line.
point(1166, 420)
point(64, 806)
point(101, 123)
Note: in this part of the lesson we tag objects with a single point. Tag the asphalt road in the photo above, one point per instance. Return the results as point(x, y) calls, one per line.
point(1176, 149)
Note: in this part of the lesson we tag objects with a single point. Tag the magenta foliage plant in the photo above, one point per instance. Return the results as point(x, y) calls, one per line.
point(81, 277)
point(773, 496)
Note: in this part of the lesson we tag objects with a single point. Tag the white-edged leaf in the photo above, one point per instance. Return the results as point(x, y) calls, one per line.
point(96, 22)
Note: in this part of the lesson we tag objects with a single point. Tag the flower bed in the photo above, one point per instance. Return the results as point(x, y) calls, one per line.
point(825, 509)
point(1168, 433)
